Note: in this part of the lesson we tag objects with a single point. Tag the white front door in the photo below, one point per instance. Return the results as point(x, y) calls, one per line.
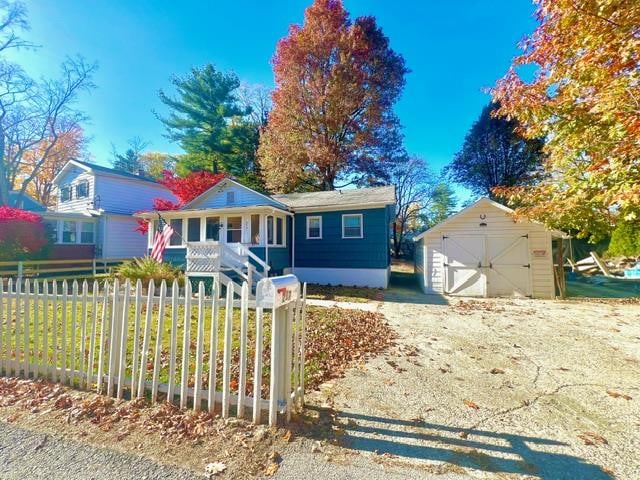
point(464, 255)
point(508, 274)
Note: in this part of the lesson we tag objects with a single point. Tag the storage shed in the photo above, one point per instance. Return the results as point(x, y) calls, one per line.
point(482, 251)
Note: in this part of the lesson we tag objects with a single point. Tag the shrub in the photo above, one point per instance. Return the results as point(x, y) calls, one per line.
point(625, 240)
point(23, 235)
point(147, 269)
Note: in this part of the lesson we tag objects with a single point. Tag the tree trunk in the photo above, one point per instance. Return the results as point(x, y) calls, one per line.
point(4, 186)
point(396, 241)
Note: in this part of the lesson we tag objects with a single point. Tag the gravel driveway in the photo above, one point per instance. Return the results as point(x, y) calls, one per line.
point(489, 389)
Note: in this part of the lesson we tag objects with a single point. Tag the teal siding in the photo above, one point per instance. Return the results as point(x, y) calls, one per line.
point(176, 256)
point(332, 251)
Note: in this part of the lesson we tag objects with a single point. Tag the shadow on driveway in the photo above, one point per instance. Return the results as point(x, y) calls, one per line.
point(404, 288)
point(465, 447)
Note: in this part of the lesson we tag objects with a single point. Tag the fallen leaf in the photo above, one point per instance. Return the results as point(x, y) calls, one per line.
point(271, 469)
point(214, 469)
point(614, 394)
point(288, 436)
point(496, 371)
point(471, 404)
point(591, 438)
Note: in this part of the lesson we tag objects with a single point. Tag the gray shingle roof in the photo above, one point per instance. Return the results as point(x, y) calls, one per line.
point(113, 171)
point(339, 198)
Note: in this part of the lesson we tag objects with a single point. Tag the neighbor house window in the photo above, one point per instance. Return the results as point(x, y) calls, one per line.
point(65, 194)
point(68, 232)
point(176, 238)
point(234, 229)
point(314, 228)
point(212, 228)
point(255, 229)
point(193, 230)
point(82, 190)
point(352, 226)
point(275, 236)
point(87, 232)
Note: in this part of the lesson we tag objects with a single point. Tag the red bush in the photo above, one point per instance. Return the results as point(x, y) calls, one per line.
point(22, 234)
point(184, 189)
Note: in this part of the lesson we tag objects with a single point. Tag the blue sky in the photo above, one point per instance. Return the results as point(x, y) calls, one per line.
point(453, 48)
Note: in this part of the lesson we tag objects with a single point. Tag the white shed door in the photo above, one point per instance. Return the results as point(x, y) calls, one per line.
point(509, 270)
point(464, 255)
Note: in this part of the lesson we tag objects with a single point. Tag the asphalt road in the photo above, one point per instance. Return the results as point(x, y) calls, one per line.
point(29, 455)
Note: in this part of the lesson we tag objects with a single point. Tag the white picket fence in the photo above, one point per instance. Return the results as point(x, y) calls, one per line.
point(167, 343)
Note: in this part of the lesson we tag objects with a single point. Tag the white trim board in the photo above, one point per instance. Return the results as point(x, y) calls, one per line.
point(359, 277)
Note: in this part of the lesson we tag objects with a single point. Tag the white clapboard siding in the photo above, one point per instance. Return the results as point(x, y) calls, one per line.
point(96, 335)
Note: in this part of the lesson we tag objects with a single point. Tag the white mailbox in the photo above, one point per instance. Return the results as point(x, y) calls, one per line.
point(275, 292)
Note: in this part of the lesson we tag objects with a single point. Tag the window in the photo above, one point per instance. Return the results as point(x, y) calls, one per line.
point(352, 226)
point(176, 238)
point(275, 238)
point(82, 190)
point(52, 229)
point(314, 228)
point(68, 232)
point(87, 232)
point(234, 229)
point(212, 228)
point(193, 230)
point(231, 197)
point(255, 229)
point(65, 194)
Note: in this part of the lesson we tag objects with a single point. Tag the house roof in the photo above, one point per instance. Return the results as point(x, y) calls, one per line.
point(480, 201)
point(93, 167)
point(339, 198)
point(25, 201)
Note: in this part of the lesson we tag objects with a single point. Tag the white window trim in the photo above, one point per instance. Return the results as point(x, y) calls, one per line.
point(361, 225)
point(275, 235)
point(319, 218)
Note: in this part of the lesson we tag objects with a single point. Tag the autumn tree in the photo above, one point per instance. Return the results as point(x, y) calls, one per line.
point(585, 101)
point(70, 145)
point(155, 163)
point(495, 154)
point(332, 118)
point(420, 197)
point(32, 112)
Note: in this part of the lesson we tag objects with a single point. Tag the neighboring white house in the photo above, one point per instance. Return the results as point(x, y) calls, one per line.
point(482, 251)
point(94, 210)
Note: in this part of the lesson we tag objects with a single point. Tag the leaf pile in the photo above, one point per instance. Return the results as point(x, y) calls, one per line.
point(336, 338)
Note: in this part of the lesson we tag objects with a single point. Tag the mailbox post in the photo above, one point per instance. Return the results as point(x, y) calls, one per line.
point(277, 294)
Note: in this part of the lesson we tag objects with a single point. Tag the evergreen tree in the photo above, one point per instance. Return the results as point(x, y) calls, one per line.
point(495, 155)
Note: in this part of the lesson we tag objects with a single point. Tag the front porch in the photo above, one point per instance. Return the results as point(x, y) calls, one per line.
point(242, 243)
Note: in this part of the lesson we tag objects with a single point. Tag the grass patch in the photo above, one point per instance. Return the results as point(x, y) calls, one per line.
point(344, 294)
point(335, 339)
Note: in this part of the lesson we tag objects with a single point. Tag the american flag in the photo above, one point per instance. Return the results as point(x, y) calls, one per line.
point(161, 240)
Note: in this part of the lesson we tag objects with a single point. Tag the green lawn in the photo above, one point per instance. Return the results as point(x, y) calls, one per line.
point(76, 346)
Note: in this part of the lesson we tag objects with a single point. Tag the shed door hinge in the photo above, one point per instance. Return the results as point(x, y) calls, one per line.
point(444, 237)
point(525, 236)
point(528, 265)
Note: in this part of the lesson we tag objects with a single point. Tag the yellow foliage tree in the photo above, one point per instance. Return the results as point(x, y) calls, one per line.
point(585, 101)
point(69, 145)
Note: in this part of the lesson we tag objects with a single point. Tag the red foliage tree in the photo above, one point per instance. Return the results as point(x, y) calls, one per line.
point(22, 234)
point(184, 189)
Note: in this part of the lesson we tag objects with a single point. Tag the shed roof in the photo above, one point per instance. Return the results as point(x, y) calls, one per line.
point(480, 201)
point(355, 197)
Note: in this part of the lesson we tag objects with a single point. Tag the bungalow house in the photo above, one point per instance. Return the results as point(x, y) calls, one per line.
point(93, 214)
point(338, 237)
